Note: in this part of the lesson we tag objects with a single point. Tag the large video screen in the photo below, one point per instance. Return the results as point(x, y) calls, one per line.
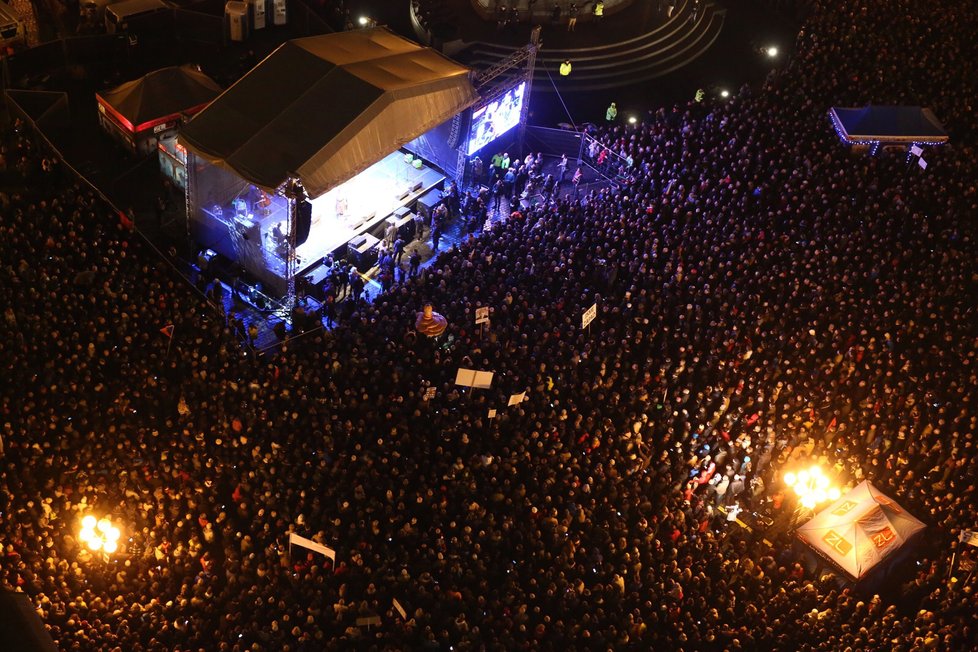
point(496, 118)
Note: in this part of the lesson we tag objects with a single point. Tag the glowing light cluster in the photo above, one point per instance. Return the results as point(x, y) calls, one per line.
point(99, 534)
point(812, 486)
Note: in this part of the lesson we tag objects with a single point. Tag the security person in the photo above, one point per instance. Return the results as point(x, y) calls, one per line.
point(565, 68)
point(611, 113)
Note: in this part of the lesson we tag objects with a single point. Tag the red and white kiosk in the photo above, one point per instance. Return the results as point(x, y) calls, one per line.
point(143, 112)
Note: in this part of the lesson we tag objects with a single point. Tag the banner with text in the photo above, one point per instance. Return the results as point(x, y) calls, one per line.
point(296, 540)
point(589, 316)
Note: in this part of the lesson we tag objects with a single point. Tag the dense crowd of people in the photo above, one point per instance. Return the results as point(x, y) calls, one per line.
point(765, 297)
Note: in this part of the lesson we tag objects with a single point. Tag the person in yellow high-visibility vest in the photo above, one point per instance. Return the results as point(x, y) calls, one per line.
point(565, 68)
point(599, 10)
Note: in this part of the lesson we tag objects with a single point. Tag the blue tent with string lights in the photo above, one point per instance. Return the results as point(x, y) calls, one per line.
point(888, 125)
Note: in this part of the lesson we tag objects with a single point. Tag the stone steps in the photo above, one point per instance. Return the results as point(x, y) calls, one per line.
point(669, 47)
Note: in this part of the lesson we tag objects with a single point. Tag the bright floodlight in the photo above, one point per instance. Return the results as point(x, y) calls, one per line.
point(99, 534)
point(632, 120)
point(724, 93)
point(772, 52)
point(812, 486)
point(364, 21)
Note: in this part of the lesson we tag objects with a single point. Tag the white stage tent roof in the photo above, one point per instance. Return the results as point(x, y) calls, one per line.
point(325, 108)
point(859, 530)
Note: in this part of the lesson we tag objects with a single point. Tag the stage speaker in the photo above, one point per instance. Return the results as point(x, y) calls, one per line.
point(303, 221)
point(362, 251)
point(427, 202)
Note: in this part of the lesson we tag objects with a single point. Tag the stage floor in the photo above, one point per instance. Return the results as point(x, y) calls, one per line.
point(365, 200)
point(252, 228)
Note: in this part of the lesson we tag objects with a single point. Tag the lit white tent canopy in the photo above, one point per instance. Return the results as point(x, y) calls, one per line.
point(860, 530)
point(327, 107)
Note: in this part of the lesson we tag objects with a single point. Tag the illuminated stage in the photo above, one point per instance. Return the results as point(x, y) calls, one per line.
point(276, 185)
point(252, 225)
point(363, 202)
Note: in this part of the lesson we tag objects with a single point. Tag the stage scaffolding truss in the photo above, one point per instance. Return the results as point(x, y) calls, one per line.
point(493, 82)
point(243, 206)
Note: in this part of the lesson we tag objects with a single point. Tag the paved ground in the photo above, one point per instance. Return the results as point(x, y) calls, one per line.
point(638, 18)
point(733, 60)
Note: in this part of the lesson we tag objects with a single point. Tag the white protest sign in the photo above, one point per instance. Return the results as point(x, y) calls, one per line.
point(483, 380)
point(473, 378)
point(482, 315)
point(915, 150)
point(922, 163)
point(970, 537)
point(296, 540)
point(589, 316)
point(367, 621)
point(429, 393)
point(516, 399)
point(492, 413)
point(399, 608)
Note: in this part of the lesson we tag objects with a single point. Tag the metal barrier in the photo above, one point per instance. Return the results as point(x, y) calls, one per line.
point(604, 159)
point(554, 141)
